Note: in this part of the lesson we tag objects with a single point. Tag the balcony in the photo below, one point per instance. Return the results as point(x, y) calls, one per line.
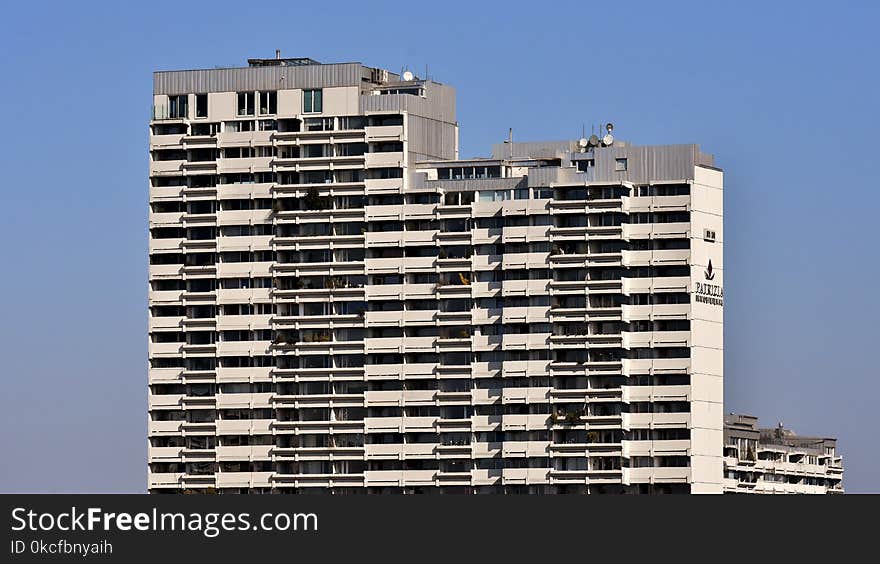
point(166, 167)
point(168, 141)
point(656, 258)
point(384, 160)
point(656, 230)
point(400, 344)
point(383, 133)
point(400, 477)
point(400, 451)
point(244, 479)
point(383, 185)
point(165, 479)
point(656, 475)
point(525, 475)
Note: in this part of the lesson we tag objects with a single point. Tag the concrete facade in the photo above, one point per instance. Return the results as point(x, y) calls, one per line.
point(338, 304)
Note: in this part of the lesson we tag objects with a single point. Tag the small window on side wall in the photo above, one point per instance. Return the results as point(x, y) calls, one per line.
point(620, 164)
point(201, 105)
point(313, 101)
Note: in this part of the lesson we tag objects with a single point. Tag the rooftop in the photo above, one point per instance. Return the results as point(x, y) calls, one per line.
point(279, 62)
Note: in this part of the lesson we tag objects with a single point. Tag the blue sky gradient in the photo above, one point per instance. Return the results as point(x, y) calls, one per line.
point(783, 94)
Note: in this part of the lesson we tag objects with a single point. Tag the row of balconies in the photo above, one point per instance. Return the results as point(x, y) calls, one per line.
point(422, 451)
point(397, 371)
point(271, 163)
point(381, 213)
point(514, 288)
point(787, 468)
point(733, 485)
point(475, 423)
point(507, 449)
point(248, 138)
point(423, 478)
point(402, 265)
point(366, 185)
point(375, 398)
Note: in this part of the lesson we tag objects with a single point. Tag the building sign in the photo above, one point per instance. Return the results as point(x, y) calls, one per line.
point(706, 293)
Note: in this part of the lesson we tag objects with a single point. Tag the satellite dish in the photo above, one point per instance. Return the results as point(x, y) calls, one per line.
point(608, 140)
point(407, 76)
point(593, 141)
point(583, 143)
point(609, 127)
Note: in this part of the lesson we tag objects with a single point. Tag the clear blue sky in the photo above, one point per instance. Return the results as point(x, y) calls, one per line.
point(784, 96)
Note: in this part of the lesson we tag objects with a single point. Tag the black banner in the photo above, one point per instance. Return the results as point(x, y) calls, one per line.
point(134, 528)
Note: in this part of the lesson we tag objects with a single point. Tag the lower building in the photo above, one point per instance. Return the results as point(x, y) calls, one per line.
point(777, 460)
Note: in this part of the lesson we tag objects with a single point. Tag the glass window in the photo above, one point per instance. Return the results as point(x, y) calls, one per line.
point(620, 164)
point(494, 195)
point(268, 103)
point(313, 101)
point(245, 103)
point(178, 106)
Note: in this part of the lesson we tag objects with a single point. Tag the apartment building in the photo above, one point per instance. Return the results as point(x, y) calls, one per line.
point(339, 304)
point(777, 460)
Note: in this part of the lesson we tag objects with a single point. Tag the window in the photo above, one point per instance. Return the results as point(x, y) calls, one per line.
point(352, 122)
point(209, 129)
point(177, 106)
point(268, 103)
point(385, 173)
point(313, 101)
point(245, 103)
point(318, 124)
point(494, 195)
point(238, 126)
point(585, 165)
point(316, 151)
point(201, 105)
point(709, 235)
point(620, 164)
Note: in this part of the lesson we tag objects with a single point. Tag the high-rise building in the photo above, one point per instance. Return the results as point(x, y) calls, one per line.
point(778, 460)
point(339, 304)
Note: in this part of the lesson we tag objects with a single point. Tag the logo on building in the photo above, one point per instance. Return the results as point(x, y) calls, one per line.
point(712, 294)
point(708, 272)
